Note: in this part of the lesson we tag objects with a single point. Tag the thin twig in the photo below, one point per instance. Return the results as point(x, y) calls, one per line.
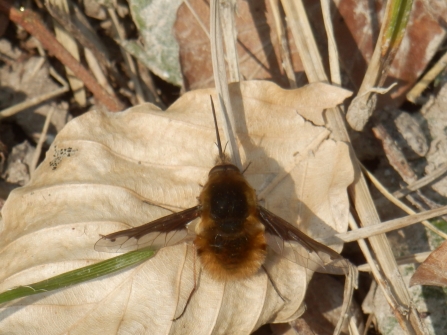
point(414, 258)
point(96, 69)
point(368, 322)
point(42, 138)
point(353, 329)
point(382, 283)
point(422, 84)
point(36, 69)
point(397, 159)
point(399, 203)
point(37, 100)
point(89, 41)
point(387, 226)
point(440, 171)
point(32, 102)
point(33, 25)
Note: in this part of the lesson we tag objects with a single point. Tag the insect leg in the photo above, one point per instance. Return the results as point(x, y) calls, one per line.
point(273, 283)
point(246, 168)
point(194, 289)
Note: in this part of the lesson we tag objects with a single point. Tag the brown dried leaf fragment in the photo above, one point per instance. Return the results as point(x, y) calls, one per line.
point(434, 269)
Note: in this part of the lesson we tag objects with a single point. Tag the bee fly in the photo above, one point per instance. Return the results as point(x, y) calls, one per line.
point(234, 233)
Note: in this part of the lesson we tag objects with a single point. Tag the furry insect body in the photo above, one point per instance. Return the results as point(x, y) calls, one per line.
point(233, 233)
point(230, 239)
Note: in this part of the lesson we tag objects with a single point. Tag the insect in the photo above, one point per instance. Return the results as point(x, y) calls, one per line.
point(234, 234)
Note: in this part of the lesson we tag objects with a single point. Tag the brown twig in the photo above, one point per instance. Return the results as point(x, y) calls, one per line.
point(33, 25)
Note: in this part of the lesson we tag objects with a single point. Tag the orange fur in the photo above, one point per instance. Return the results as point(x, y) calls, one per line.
point(240, 254)
point(245, 263)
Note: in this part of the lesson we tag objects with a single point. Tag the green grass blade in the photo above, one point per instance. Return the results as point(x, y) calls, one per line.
point(395, 25)
point(79, 275)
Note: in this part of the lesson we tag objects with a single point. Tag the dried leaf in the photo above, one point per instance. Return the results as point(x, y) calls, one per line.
point(107, 172)
point(154, 20)
point(434, 269)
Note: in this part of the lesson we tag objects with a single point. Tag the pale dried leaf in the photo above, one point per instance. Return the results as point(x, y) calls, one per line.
point(107, 172)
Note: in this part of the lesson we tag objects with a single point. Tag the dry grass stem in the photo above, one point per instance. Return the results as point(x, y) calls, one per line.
point(304, 40)
point(37, 67)
point(229, 33)
point(439, 172)
point(79, 27)
point(32, 102)
point(380, 280)
point(400, 204)
point(312, 63)
point(415, 258)
point(332, 45)
point(387, 226)
point(283, 44)
point(422, 84)
point(37, 100)
point(94, 66)
point(220, 79)
point(368, 323)
point(42, 139)
point(394, 288)
point(353, 329)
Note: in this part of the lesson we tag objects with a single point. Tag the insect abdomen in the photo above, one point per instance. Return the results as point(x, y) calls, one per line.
point(227, 256)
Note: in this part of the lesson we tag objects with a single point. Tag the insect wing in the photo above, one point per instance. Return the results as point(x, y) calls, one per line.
point(292, 244)
point(166, 231)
